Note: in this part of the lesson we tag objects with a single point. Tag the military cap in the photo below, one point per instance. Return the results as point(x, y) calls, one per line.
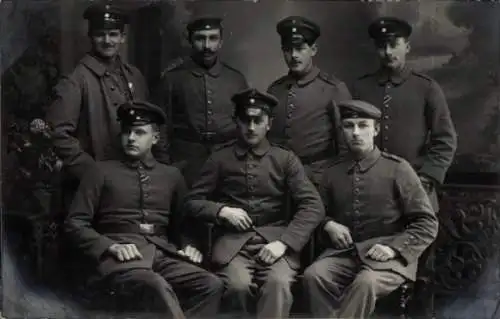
point(253, 98)
point(105, 16)
point(297, 30)
point(385, 28)
point(358, 109)
point(204, 23)
point(140, 113)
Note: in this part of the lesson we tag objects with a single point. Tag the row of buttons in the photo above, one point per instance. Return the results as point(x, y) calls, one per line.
point(209, 97)
point(387, 99)
point(144, 180)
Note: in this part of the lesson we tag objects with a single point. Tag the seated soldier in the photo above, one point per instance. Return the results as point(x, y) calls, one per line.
point(243, 189)
point(379, 220)
point(125, 216)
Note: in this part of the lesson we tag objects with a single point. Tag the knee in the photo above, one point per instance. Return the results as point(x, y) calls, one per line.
point(313, 274)
point(213, 283)
point(279, 281)
point(152, 280)
point(238, 285)
point(366, 280)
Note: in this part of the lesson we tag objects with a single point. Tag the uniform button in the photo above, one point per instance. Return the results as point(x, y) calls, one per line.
point(386, 117)
point(209, 91)
point(357, 179)
point(209, 112)
point(385, 149)
point(356, 201)
point(209, 102)
point(106, 73)
point(289, 115)
point(209, 121)
point(356, 191)
point(386, 138)
point(112, 88)
point(386, 106)
point(356, 212)
point(291, 105)
point(386, 127)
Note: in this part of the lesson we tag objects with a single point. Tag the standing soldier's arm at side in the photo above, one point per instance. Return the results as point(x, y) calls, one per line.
point(443, 137)
point(342, 93)
point(63, 116)
point(162, 96)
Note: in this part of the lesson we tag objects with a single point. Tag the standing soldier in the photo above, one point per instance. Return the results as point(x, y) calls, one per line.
point(244, 189)
point(83, 114)
point(306, 119)
point(416, 122)
point(196, 94)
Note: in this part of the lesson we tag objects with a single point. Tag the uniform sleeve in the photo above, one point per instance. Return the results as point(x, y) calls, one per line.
point(443, 137)
point(421, 221)
point(63, 116)
point(244, 83)
point(198, 203)
point(162, 96)
point(307, 202)
point(78, 223)
point(325, 192)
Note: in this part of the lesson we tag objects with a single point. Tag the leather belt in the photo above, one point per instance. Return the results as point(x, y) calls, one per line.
point(142, 229)
point(322, 155)
point(203, 137)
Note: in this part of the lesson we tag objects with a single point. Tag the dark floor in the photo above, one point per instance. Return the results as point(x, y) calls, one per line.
point(23, 301)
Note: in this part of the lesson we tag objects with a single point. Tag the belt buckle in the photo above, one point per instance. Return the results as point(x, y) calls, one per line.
point(147, 228)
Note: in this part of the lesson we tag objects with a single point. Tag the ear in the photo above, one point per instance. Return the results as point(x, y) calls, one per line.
point(408, 46)
point(123, 38)
point(314, 49)
point(377, 127)
point(269, 123)
point(156, 135)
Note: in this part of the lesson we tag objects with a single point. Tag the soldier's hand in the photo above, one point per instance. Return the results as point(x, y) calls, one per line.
point(271, 252)
point(236, 217)
point(380, 252)
point(339, 234)
point(192, 253)
point(125, 252)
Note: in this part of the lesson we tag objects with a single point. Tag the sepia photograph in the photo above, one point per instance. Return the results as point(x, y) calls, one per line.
point(250, 159)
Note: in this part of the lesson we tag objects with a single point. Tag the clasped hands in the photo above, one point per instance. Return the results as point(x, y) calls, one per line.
point(127, 252)
point(239, 219)
point(341, 239)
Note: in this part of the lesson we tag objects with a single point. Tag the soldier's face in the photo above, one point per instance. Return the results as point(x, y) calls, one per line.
point(393, 52)
point(360, 134)
point(137, 140)
point(298, 58)
point(253, 125)
point(107, 43)
point(206, 44)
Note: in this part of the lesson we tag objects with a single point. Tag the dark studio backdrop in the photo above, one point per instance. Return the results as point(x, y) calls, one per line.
point(455, 42)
